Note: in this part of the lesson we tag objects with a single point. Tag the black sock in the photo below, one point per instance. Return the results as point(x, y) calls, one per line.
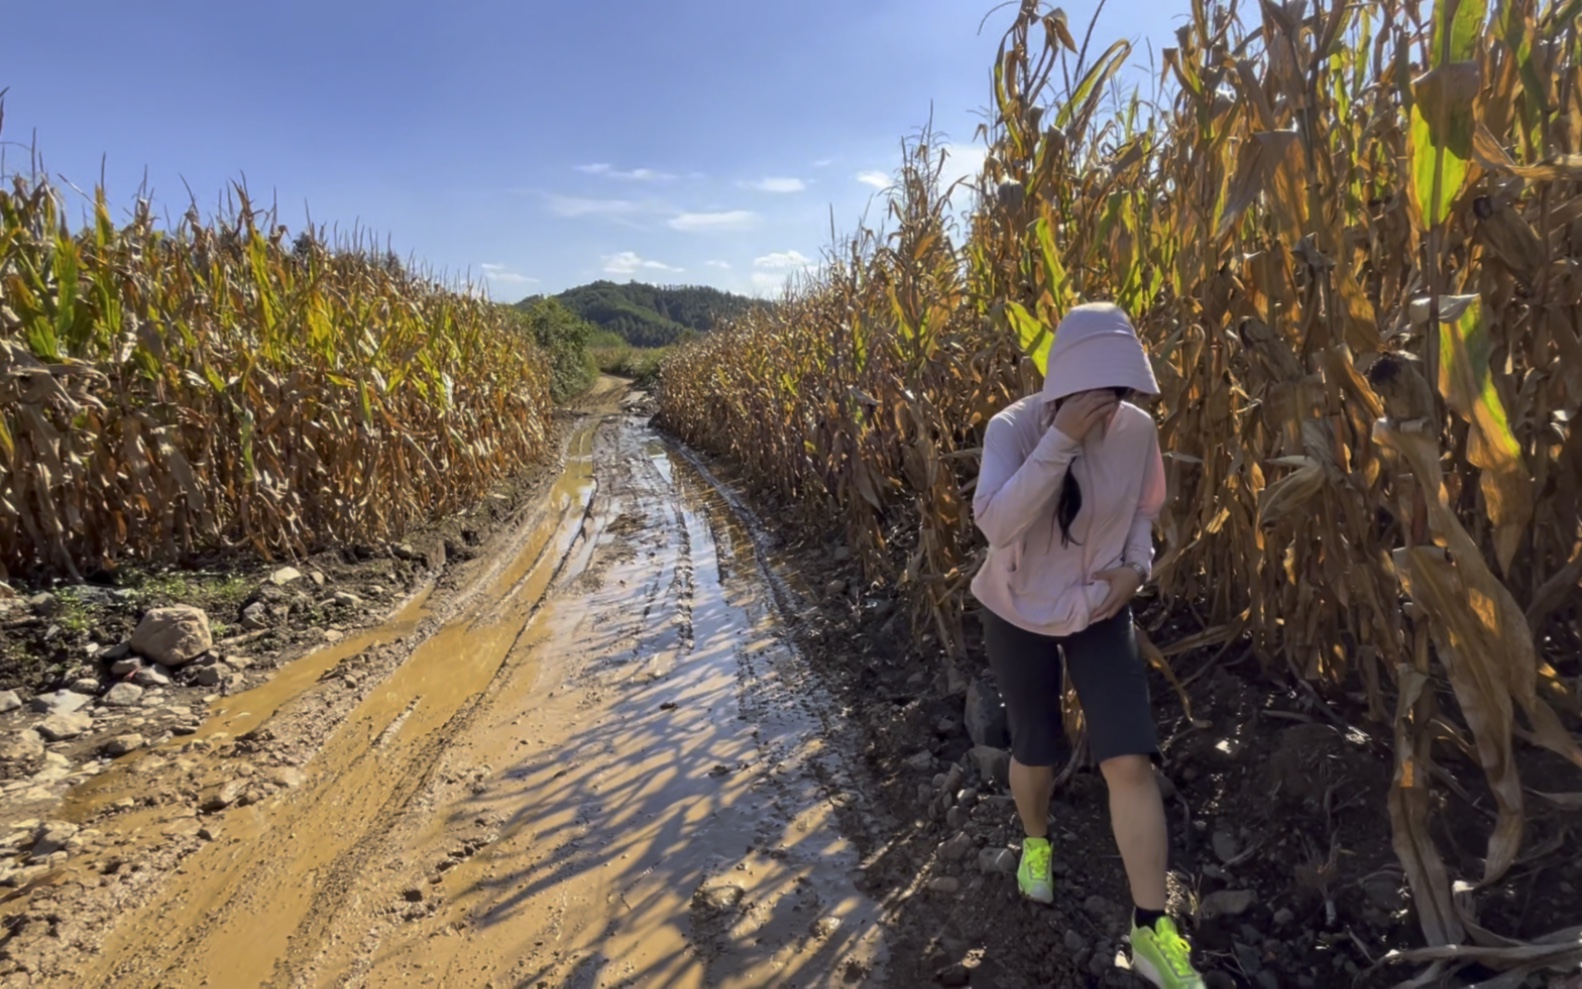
point(1146, 918)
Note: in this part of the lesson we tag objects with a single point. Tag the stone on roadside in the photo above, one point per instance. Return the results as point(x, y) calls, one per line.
point(255, 616)
point(994, 764)
point(9, 701)
point(54, 836)
point(719, 897)
point(284, 576)
point(59, 702)
point(237, 662)
point(1227, 903)
point(124, 695)
point(44, 605)
point(944, 884)
point(835, 588)
point(173, 636)
point(125, 667)
point(997, 861)
point(985, 716)
point(60, 727)
point(151, 676)
point(21, 752)
point(958, 847)
point(920, 761)
point(122, 744)
point(347, 599)
point(116, 653)
point(209, 676)
point(222, 795)
point(317, 578)
point(6, 591)
point(87, 686)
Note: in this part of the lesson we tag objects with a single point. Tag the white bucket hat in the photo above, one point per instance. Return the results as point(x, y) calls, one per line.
point(1096, 346)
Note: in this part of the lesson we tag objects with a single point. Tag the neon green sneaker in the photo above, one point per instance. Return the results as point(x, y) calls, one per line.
point(1162, 956)
point(1033, 877)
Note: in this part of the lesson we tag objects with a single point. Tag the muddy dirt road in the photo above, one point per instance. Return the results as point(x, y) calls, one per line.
point(603, 766)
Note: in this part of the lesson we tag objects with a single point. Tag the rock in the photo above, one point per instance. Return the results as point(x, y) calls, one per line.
point(333, 635)
point(920, 762)
point(54, 836)
point(289, 777)
point(122, 744)
point(221, 796)
point(87, 686)
point(1098, 907)
point(125, 667)
point(1385, 892)
point(953, 975)
point(1074, 942)
point(44, 605)
point(255, 616)
point(835, 588)
point(719, 897)
point(284, 576)
point(173, 636)
point(209, 676)
point(997, 861)
point(405, 551)
point(60, 727)
point(9, 701)
point(317, 578)
point(956, 848)
point(59, 702)
point(956, 818)
point(151, 676)
point(377, 590)
point(1224, 845)
point(237, 662)
point(412, 894)
point(824, 928)
point(124, 695)
point(1227, 903)
point(348, 599)
point(944, 884)
point(994, 764)
point(116, 653)
point(1284, 917)
point(6, 591)
point(841, 554)
point(985, 716)
point(235, 683)
point(21, 752)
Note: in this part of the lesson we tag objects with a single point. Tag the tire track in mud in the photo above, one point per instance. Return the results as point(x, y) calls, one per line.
point(613, 769)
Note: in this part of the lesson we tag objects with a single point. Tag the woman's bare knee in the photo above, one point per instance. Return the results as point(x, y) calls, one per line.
point(1126, 771)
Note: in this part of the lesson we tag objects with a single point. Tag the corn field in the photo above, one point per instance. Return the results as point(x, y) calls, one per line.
point(1350, 234)
point(166, 393)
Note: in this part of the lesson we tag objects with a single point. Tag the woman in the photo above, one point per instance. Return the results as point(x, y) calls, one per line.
point(1071, 483)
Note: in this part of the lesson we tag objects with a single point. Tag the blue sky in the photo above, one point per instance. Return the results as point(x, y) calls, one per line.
point(539, 144)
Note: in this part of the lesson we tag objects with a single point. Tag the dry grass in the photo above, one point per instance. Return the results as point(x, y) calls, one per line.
point(1350, 234)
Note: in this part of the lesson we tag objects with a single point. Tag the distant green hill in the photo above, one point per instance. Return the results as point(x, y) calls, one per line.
point(650, 315)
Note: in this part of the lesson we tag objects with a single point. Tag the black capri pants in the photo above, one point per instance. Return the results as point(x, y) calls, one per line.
point(1107, 671)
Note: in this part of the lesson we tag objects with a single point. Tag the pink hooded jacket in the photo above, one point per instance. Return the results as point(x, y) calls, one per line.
point(1029, 579)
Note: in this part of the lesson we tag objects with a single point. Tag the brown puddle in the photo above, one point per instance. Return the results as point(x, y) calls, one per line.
point(605, 771)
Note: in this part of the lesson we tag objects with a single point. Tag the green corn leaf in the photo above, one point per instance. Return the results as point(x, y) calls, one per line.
point(1034, 336)
point(1466, 380)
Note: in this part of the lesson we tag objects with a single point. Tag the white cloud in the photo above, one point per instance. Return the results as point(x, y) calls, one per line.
point(500, 273)
point(736, 219)
point(879, 180)
point(718, 264)
point(628, 263)
point(782, 261)
point(635, 175)
point(824, 163)
point(776, 185)
point(764, 282)
point(962, 161)
point(576, 206)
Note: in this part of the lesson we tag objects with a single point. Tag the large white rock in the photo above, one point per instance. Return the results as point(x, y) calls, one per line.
point(173, 636)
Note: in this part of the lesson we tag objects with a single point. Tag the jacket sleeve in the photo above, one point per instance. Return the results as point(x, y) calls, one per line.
point(1151, 501)
point(1012, 492)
